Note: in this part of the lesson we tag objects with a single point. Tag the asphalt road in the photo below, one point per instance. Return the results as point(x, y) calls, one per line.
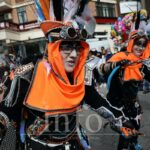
point(104, 138)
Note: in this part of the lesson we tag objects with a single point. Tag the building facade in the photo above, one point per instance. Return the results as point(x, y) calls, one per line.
point(106, 13)
point(19, 28)
point(142, 4)
point(146, 5)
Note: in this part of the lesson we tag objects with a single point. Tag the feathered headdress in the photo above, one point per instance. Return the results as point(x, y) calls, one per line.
point(57, 14)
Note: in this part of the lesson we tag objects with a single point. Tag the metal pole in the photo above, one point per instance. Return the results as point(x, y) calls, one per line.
point(118, 7)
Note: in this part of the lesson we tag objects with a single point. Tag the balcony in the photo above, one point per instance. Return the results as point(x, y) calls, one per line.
point(5, 5)
point(7, 25)
point(17, 27)
point(20, 32)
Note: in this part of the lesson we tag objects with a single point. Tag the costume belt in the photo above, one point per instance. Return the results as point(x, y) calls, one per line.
point(52, 131)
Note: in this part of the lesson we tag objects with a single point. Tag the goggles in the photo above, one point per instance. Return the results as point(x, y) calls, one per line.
point(69, 33)
point(138, 34)
point(141, 43)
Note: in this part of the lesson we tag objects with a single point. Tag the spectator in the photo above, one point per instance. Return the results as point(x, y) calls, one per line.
point(108, 54)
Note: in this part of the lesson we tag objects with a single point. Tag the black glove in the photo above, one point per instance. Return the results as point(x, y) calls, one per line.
point(123, 62)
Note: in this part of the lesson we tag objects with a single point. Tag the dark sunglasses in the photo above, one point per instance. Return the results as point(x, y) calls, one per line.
point(141, 42)
point(67, 49)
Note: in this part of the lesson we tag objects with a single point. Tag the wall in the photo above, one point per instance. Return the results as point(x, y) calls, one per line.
point(31, 14)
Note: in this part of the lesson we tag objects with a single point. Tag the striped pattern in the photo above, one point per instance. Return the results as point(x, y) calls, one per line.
point(39, 11)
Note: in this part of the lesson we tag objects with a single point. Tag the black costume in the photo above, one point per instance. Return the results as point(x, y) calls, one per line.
point(21, 123)
point(123, 95)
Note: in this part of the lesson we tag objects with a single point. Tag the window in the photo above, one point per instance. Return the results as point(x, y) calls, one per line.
point(2, 17)
point(22, 15)
point(19, 1)
point(32, 49)
point(105, 9)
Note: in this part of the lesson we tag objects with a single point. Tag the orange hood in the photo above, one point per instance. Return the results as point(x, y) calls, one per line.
point(51, 90)
point(146, 53)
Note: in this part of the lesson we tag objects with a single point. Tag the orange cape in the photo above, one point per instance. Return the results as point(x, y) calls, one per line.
point(51, 90)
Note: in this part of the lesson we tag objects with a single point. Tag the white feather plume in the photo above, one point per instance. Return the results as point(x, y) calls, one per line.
point(70, 9)
point(87, 20)
point(51, 12)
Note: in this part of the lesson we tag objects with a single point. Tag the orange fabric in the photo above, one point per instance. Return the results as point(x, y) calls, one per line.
point(48, 92)
point(130, 45)
point(146, 52)
point(47, 26)
point(129, 132)
point(45, 4)
point(132, 71)
point(11, 75)
point(126, 131)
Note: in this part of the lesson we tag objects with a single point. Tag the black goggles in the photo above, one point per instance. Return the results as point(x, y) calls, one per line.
point(141, 42)
point(139, 34)
point(69, 33)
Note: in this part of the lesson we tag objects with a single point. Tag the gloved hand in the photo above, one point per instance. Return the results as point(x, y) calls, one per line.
point(123, 62)
point(129, 133)
point(128, 130)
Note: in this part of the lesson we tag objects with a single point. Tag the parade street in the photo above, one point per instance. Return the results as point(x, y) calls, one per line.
point(105, 138)
point(59, 60)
